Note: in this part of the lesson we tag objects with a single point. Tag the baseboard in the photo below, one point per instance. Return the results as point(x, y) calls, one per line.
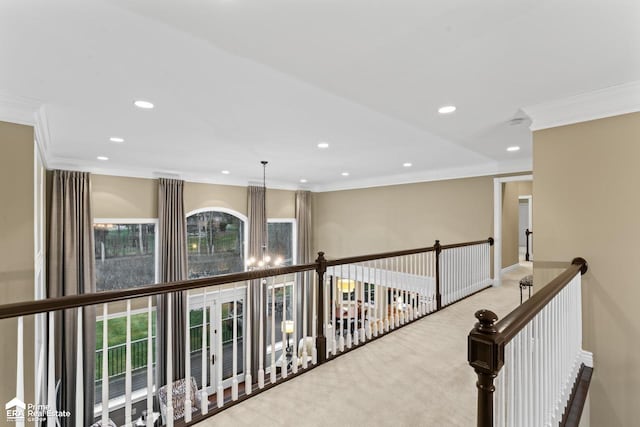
point(511, 267)
point(586, 357)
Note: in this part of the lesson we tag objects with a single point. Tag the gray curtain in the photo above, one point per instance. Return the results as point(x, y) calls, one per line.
point(303, 256)
point(172, 239)
point(71, 271)
point(257, 231)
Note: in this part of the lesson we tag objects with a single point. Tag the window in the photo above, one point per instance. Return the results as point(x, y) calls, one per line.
point(125, 253)
point(216, 243)
point(125, 257)
point(281, 238)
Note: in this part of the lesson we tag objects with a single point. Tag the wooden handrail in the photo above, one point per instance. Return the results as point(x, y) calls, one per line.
point(75, 301)
point(372, 257)
point(509, 326)
point(461, 245)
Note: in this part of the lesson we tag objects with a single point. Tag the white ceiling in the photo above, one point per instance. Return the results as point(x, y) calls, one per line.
point(238, 81)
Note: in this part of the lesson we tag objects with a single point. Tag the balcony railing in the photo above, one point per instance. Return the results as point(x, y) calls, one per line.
point(257, 328)
point(535, 356)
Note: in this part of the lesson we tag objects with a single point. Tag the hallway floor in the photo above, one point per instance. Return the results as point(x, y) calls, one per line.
point(416, 376)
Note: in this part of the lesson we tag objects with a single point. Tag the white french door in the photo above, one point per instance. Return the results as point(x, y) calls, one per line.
point(225, 313)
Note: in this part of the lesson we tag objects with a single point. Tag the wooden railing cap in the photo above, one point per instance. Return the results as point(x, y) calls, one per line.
point(486, 321)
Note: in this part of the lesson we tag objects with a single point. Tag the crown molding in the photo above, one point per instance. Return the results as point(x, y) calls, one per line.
point(607, 102)
point(495, 168)
point(31, 112)
point(18, 109)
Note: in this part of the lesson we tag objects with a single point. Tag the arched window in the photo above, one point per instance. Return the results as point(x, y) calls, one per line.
point(216, 239)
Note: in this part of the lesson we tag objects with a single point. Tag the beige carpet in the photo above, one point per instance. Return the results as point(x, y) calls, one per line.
point(416, 376)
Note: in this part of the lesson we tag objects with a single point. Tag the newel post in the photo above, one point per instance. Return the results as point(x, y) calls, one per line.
point(438, 249)
point(321, 340)
point(486, 356)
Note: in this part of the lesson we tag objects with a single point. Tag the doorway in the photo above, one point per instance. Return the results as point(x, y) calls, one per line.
point(224, 314)
point(525, 252)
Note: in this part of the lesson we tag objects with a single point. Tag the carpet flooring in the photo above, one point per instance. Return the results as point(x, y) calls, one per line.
point(416, 376)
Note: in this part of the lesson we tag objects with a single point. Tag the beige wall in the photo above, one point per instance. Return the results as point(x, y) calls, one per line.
point(355, 222)
point(586, 187)
point(124, 197)
point(16, 250)
point(510, 219)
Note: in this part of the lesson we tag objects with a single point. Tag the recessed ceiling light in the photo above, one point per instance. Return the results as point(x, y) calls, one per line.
point(447, 109)
point(345, 174)
point(143, 104)
point(514, 148)
point(323, 145)
point(103, 158)
point(225, 172)
point(116, 139)
point(303, 180)
point(407, 165)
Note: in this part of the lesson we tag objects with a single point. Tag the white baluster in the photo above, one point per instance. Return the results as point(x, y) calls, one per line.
point(149, 362)
point(284, 338)
point(169, 358)
point(204, 396)
point(219, 354)
point(273, 332)
point(127, 375)
point(105, 366)
point(51, 370)
point(263, 284)
point(20, 368)
point(234, 381)
point(188, 403)
point(305, 282)
point(247, 338)
point(294, 309)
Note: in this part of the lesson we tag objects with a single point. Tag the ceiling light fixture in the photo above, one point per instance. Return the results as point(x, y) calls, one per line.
point(407, 165)
point(225, 172)
point(116, 139)
point(447, 109)
point(303, 180)
point(267, 261)
point(345, 174)
point(323, 145)
point(514, 148)
point(103, 158)
point(145, 105)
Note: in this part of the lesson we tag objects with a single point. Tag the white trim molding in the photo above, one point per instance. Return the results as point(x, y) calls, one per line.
point(497, 222)
point(510, 268)
point(607, 102)
point(586, 357)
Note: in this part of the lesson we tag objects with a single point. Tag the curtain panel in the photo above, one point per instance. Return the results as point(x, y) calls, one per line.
point(304, 291)
point(257, 233)
point(172, 239)
point(71, 271)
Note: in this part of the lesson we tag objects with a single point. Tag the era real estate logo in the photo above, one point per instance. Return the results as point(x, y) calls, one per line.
point(18, 411)
point(15, 410)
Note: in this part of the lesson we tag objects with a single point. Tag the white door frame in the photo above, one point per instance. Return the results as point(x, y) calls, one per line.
point(497, 222)
point(213, 301)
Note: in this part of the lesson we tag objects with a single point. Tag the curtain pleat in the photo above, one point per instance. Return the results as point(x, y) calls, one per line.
point(303, 256)
point(257, 231)
point(71, 271)
point(172, 239)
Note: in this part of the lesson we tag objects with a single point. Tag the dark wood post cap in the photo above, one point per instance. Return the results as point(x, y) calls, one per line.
point(582, 262)
point(491, 241)
point(320, 256)
point(486, 321)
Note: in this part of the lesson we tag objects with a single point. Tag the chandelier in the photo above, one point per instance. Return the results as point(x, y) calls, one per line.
point(267, 260)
